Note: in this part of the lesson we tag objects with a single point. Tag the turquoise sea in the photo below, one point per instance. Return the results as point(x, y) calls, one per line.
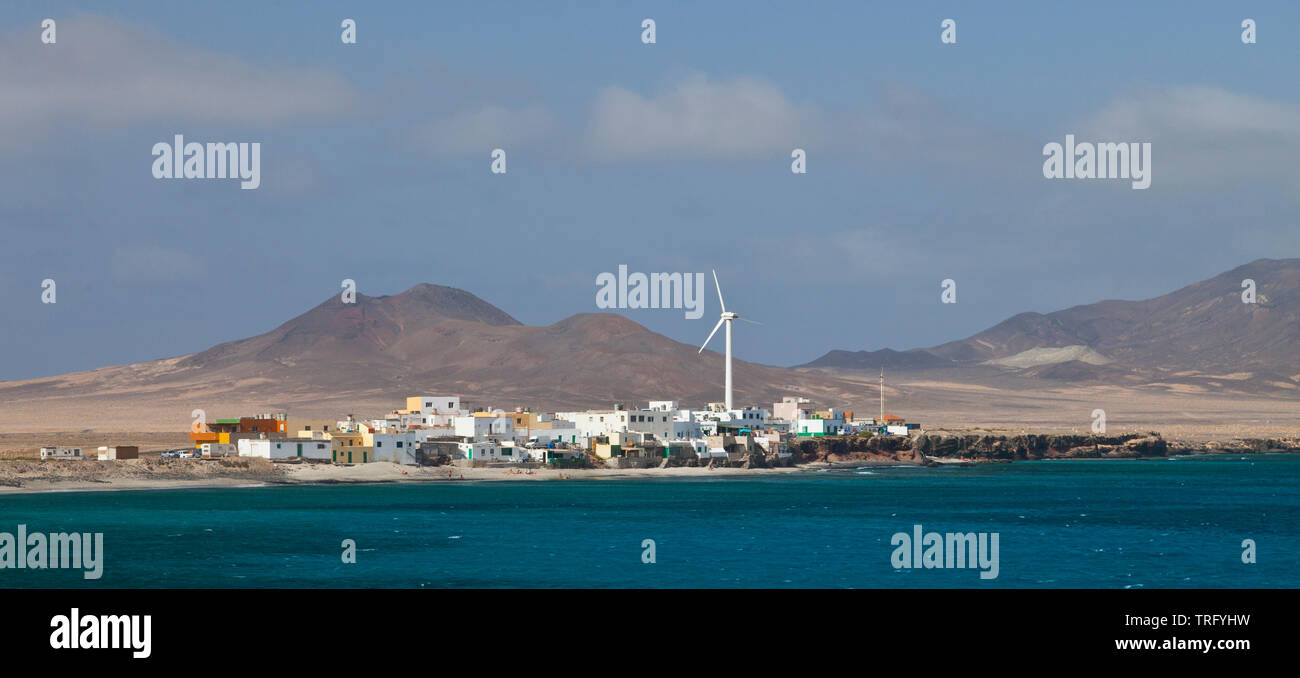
point(1164, 523)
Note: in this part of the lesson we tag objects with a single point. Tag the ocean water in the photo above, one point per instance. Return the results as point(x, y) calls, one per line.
point(1165, 523)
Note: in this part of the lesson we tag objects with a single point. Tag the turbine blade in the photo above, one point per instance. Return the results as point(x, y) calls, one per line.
point(753, 322)
point(715, 331)
point(721, 303)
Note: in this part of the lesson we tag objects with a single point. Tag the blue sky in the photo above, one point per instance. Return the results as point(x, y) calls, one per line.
point(924, 163)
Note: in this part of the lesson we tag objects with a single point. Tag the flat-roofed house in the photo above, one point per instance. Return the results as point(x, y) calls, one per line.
point(286, 448)
point(72, 453)
point(119, 452)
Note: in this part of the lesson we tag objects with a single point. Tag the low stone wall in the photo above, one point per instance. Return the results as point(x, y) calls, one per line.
point(633, 462)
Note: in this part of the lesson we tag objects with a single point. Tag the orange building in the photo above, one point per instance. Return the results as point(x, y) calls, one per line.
point(262, 424)
point(228, 431)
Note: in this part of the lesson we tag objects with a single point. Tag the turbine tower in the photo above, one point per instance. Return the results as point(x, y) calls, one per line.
point(727, 317)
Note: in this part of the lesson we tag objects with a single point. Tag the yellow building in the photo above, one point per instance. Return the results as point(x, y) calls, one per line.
point(297, 426)
point(348, 439)
point(353, 454)
point(351, 448)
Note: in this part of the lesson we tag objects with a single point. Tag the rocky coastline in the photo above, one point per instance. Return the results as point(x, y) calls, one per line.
point(926, 448)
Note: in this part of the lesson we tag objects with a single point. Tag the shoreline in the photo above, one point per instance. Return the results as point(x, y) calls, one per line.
point(380, 473)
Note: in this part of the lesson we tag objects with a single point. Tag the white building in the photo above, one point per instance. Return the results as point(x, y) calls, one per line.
point(397, 446)
point(483, 450)
point(662, 424)
point(749, 417)
point(481, 427)
point(686, 429)
point(821, 427)
point(67, 453)
point(436, 404)
point(286, 448)
point(595, 423)
point(567, 435)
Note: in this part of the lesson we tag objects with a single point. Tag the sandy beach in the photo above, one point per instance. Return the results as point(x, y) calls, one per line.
point(18, 477)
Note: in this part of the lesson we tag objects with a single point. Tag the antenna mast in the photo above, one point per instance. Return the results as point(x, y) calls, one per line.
point(882, 395)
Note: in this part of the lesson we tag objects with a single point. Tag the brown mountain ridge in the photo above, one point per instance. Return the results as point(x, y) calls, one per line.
point(365, 356)
point(1203, 332)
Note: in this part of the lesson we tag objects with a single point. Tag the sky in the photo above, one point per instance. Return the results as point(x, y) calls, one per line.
point(924, 163)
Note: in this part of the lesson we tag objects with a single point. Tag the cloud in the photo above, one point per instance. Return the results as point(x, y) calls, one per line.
point(899, 125)
point(745, 116)
point(1204, 135)
point(153, 264)
point(104, 73)
point(483, 129)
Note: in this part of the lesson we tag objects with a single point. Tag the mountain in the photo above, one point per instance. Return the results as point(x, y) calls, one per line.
point(874, 360)
point(1202, 332)
point(371, 332)
point(367, 356)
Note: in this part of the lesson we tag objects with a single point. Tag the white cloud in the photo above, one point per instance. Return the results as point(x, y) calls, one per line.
point(483, 129)
point(745, 116)
point(750, 116)
point(104, 73)
point(150, 263)
point(1204, 134)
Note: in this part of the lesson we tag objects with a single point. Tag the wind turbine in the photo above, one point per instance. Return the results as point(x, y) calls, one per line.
point(727, 317)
